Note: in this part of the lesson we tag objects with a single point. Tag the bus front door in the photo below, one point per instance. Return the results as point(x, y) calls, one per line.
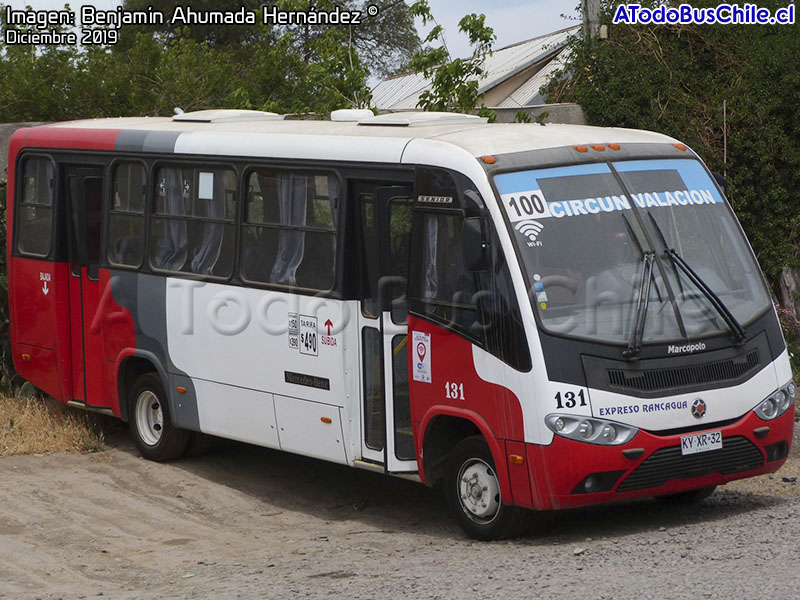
point(385, 213)
point(84, 194)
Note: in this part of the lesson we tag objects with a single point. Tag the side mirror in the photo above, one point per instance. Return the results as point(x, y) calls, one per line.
point(474, 245)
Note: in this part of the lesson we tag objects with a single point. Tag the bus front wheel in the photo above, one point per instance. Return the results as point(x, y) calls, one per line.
point(151, 424)
point(473, 494)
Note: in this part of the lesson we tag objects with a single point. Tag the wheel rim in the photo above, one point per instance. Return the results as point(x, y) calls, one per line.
point(149, 418)
point(478, 491)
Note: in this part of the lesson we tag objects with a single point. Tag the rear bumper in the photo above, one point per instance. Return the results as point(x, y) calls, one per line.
point(557, 474)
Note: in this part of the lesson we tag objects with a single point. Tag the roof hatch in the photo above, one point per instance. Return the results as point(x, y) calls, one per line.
point(351, 114)
point(420, 119)
point(226, 116)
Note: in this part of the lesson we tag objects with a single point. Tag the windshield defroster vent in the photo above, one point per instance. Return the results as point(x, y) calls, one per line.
point(676, 377)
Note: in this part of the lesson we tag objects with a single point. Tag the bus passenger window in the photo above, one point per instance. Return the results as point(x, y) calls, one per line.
point(192, 225)
point(35, 214)
point(126, 216)
point(289, 233)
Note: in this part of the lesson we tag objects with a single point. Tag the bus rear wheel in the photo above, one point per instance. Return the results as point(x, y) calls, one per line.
point(155, 436)
point(473, 494)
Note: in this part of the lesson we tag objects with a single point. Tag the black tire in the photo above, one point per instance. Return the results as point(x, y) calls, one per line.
point(476, 504)
point(199, 443)
point(151, 423)
point(690, 497)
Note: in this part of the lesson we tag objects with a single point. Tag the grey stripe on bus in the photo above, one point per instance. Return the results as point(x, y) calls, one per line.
point(146, 141)
point(145, 297)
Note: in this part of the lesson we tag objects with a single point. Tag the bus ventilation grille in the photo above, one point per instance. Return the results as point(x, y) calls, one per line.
point(737, 454)
point(661, 379)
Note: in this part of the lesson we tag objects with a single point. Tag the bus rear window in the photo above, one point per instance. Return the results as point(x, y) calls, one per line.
point(35, 213)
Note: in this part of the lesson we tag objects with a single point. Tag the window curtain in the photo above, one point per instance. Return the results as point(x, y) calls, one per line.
point(431, 283)
point(171, 252)
point(333, 198)
point(207, 253)
point(292, 200)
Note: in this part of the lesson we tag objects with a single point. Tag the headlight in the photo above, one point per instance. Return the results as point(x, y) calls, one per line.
point(591, 430)
point(778, 403)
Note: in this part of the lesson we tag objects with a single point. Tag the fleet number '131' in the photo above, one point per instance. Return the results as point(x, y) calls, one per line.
point(570, 400)
point(454, 391)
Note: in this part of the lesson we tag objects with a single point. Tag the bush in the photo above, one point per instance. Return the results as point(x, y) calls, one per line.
point(791, 331)
point(8, 377)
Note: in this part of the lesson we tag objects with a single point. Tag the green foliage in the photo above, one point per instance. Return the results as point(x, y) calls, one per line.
point(791, 333)
point(156, 68)
point(454, 82)
point(674, 79)
point(8, 377)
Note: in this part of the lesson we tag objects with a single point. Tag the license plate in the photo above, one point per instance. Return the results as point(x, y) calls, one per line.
point(701, 442)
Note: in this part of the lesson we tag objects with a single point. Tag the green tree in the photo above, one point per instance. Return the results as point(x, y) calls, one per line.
point(153, 69)
point(384, 41)
point(454, 82)
point(674, 79)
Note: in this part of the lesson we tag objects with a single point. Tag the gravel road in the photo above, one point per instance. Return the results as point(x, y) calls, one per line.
point(245, 522)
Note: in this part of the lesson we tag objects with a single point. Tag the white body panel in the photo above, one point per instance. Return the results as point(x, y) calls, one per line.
point(253, 357)
point(362, 149)
point(302, 430)
point(236, 413)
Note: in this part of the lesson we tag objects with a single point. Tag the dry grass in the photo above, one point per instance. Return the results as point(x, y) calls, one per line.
point(45, 426)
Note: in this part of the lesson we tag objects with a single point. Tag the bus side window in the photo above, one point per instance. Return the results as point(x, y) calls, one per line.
point(289, 231)
point(480, 306)
point(447, 289)
point(192, 226)
point(35, 214)
point(126, 216)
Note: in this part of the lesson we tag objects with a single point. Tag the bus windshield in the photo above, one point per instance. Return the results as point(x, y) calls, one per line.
point(587, 233)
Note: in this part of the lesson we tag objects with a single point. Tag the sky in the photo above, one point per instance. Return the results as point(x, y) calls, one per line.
point(512, 20)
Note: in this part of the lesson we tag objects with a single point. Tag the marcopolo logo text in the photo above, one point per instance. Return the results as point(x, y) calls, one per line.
point(686, 348)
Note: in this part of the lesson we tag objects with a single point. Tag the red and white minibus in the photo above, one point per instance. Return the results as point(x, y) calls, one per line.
point(535, 317)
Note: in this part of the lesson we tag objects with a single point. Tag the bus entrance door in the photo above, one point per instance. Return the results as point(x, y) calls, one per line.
point(84, 194)
point(385, 213)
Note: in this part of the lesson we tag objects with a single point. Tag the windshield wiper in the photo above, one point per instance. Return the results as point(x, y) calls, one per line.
point(639, 247)
point(643, 300)
point(726, 314)
point(678, 263)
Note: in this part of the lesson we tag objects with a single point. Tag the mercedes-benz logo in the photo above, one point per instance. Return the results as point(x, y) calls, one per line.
point(698, 408)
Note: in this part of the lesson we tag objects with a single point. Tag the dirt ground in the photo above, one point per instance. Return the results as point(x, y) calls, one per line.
point(245, 522)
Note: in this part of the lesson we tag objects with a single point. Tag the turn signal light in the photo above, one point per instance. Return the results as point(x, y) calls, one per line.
point(26, 357)
point(181, 390)
point(326, 420)
point(516, 459)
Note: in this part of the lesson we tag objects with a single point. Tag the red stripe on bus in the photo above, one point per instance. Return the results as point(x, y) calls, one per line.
point(73, 137)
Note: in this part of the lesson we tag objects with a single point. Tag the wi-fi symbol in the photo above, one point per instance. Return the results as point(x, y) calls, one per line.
point(530, 229)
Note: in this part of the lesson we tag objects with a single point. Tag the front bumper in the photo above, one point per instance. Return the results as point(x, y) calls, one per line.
point(648, 465)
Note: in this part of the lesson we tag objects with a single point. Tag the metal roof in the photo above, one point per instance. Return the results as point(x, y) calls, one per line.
point(402, 91)
point(528, 93)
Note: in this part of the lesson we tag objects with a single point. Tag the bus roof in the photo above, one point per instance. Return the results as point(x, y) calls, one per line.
point(330, 140)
